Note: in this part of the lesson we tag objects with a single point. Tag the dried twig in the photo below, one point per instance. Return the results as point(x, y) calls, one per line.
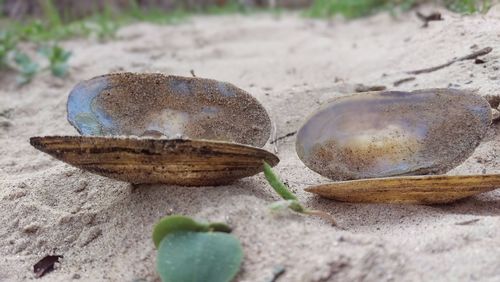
point(324, 215)
point(404, 80)
point(283, 137)
point(468, 222)
point(367, 88)
point(471, 56)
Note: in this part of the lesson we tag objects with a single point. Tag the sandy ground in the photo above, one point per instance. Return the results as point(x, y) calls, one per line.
point(292, 65)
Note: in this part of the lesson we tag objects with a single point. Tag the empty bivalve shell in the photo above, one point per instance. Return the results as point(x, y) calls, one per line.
point(154, 128)
point(380, 134)
point(385, 134)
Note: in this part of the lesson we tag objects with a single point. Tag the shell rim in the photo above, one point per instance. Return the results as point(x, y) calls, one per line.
point(148, 139)
point(437, 177)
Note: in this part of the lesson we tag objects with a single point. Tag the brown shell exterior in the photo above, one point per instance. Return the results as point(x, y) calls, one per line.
point(167, 161)
point(435, 189)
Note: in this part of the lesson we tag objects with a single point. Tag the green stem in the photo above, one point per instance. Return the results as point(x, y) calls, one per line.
point(277, 184)
point(292, 201)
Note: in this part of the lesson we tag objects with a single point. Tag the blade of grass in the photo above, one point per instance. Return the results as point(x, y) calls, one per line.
point(291, 200)
point(277, 184)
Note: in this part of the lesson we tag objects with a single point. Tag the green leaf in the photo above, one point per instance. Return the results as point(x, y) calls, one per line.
point(45, 51)
point(59, 69)
point(175, 223)
point(27, 68)
point(277, 184)
point(21, 58)
point(58, 58)
point(199, 257)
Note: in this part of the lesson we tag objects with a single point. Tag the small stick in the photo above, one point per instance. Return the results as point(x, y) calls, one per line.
point(471, 56)
point(192, 73)
point(283, 137)
point(476, 54)
point(403, 80)
point(324, 215)
point(366, 88)
point(468, 222)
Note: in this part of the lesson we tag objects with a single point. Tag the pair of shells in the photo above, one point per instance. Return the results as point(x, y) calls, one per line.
point(378, 134)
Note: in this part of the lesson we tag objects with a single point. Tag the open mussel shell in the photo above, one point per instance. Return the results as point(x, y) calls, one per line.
point(429, 189)
point(169, 161)
point(392, 133)
point(130, 104)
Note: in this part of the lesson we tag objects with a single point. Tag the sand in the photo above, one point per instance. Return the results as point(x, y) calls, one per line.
point(292, 65)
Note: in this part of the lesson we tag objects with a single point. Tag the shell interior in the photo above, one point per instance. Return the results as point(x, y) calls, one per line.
point(381, 134)
point(168, 161)
point(131, 104)
point(431, 189)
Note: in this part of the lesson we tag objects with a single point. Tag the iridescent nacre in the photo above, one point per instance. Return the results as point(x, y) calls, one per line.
point(177, 107)
point(390, 133)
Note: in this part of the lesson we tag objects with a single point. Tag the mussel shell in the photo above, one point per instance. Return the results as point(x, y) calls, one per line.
point(389, 133)
point(130, 104)
point(430, 189)
point(168, 161)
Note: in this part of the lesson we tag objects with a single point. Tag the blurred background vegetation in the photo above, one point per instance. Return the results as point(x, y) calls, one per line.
point(44, 23)
point(68, 10)
point(360, 8)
